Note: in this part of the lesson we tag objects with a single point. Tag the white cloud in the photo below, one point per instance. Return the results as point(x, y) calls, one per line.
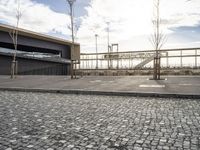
point(35, 16)
point(130, 21)
point(181, 12)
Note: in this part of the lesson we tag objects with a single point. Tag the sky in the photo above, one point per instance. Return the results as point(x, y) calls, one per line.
point(130, 21)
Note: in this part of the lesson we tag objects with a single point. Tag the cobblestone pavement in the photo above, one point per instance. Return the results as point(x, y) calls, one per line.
point(39, 121)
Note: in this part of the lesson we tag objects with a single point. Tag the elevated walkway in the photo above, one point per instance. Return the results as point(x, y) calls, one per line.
point(143, 63)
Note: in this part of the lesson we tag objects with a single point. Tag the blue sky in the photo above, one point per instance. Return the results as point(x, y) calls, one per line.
point(130, 21)
point(62, 7)
point(192, 33)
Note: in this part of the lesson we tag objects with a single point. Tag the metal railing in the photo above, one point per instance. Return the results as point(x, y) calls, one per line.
point(130, 60)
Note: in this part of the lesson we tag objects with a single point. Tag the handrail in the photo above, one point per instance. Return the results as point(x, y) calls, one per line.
point(143, 51)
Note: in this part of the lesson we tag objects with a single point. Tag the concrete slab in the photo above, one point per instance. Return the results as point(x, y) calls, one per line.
point(108, 85)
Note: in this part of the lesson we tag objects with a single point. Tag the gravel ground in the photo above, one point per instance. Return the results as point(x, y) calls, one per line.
point(42, 121)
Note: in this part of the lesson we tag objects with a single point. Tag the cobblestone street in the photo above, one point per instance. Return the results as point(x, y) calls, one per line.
point(42, 121)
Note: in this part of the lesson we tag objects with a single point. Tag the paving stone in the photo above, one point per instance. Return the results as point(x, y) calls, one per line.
point(56, 121)
point(166, 148)
point(30, 146)
point(139, 141)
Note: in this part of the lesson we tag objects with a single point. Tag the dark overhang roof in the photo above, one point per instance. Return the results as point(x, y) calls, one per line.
point(55, 60)
point(28, 33)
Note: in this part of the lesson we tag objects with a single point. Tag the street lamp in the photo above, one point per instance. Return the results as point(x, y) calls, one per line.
point(108, 38)
point(96, 35)
point(71, 2)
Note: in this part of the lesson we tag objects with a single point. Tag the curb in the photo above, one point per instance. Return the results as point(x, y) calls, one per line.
point(106, 93)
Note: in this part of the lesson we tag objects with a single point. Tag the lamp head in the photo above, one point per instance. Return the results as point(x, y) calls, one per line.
point(71, 1)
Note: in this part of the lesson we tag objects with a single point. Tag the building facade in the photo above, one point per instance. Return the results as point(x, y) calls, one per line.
point(36, 53)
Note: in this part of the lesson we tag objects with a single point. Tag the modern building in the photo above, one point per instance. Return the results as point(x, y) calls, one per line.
point(36, 53)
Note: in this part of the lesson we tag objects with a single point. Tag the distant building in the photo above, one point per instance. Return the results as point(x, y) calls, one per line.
point(37, 54)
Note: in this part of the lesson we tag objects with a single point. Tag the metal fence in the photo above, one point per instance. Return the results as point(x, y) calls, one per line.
point(130, 60)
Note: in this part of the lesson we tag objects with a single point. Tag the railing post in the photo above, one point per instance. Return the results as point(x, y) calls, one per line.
point(91, 67)
point(75, 69)
point(16, 68)
point(181, 53)
point(167, 59)
point(196, 58)
point(129, 62)
point(87, 62)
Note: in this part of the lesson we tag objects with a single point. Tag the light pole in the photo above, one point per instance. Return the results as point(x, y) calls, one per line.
point(108, 30)
point(71, 2)
point(96, 35)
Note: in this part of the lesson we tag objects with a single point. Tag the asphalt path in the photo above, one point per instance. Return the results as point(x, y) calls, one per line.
point(169, 85)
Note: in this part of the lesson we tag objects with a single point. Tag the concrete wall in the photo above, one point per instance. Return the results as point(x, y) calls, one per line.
point(33, 67)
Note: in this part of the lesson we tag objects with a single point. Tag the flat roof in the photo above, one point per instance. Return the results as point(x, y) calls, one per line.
point(28, 33)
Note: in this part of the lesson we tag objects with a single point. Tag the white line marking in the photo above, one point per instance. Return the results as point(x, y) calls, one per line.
point(185, 84)
point(152, 86)
point(96, 81)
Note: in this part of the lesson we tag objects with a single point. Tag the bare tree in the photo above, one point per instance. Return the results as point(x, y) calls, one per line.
point(76, 28)
point(14, 36)
point(157, 39)
point(71, 2)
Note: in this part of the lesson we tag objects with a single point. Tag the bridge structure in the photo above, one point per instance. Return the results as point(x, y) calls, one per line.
point(137, 60)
